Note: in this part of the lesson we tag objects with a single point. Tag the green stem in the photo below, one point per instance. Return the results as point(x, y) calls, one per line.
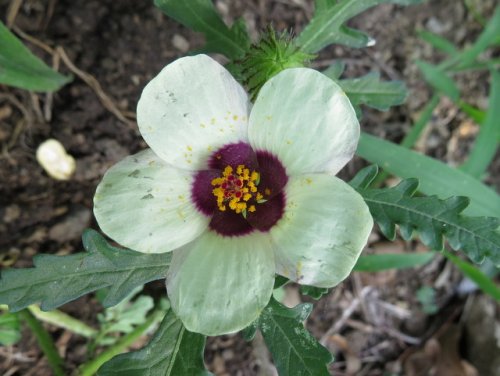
point(45, 341)
point(411, 138)
point(91, 367)
point(63, 320)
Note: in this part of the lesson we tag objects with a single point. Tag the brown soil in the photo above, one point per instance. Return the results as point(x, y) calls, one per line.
point(123, 44)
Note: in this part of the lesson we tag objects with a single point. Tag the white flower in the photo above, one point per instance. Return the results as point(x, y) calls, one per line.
point(238, 193)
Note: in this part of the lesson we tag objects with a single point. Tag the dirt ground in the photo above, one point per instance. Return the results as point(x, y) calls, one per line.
point(373, 323)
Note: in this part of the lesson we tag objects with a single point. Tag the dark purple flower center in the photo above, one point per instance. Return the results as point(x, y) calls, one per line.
point(242, 190)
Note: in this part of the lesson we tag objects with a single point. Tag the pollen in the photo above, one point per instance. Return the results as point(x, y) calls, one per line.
point(237, 190)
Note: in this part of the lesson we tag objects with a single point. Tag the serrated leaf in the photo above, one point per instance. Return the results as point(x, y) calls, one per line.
point(173, 351)
point(326, 26)
point(20, 68)
point(201, 16)
point(372, 92)
point(56, 280)
point(294, 350)
point(435, 177)
point(439, 80)
point(434, 219)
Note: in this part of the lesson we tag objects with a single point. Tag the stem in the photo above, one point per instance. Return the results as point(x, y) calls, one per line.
point(91, 367)
point(411, 138)
point(63, 320)
point(45, 341)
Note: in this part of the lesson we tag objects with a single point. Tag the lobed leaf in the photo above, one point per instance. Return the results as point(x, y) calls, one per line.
point(371, 91)
point(294, 350)
point(20, 68)
point(56, 280)
point(435, 177)
point(172, 351)
point(201, 16)
point(386, 261)
point(327, 25)
point(434, 219)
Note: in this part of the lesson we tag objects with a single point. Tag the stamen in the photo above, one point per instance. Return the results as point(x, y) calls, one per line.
point(237, 189)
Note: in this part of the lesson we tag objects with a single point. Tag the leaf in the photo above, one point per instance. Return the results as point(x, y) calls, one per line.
point(314, 292)
point(294, 350)
point(386, 261)
point(439, 80)
point(200, 16)
point(20, 68)
point(370, 91)
point(326, 26)
point(483, 281)
point(56, 280)
point(335, 70)
point(124, 317)
point(172, 351)
point(434, 219)
point(486, 143)
point(426, 295)
point(10, 332)
point(487, 38)
point(434, 176)
point(438, 42)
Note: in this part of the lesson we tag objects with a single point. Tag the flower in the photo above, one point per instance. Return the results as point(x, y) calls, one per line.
point(238, 193)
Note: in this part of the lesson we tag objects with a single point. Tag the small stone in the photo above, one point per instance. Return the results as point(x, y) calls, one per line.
point(180, 43)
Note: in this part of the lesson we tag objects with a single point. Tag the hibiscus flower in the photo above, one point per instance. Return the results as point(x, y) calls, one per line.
point(238, 192)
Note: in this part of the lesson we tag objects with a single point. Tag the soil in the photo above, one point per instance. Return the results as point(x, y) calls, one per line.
point(375, 325)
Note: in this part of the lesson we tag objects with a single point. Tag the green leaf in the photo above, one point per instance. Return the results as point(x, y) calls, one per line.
point(434, 219)
point(201, 16)
point(438, 79)
point(486, 143)
point(335, 70)
point(438, 42)
point(294, 350)
point(56, 280)
point(314, 292)
point(487, 38)
point(20, 68)
point(10, 332)
point(124, 317)
point(326, 26)
point(173, 351)
point(370, 91)
point(426, 295)
point(434, 176)
point(483, 281)
point(386, 261)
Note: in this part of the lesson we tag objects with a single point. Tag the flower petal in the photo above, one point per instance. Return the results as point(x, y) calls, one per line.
point(219, 285)
point(145, 204)
point(323, 231)
point(306, 120)
point(192, 108)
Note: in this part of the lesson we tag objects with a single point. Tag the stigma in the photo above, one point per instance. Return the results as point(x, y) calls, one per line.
point(237, 190)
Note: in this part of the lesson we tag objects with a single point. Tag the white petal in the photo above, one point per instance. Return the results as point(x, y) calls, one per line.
point(192, 108)
point(219, 285)
point(323, 230)
point(306, 120)
point(145, 204)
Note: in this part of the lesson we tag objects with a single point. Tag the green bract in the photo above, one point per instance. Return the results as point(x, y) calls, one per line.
point(192, 113)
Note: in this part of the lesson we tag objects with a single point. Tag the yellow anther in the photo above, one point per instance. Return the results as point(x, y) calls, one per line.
point(237, 189)
point(267, 191)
